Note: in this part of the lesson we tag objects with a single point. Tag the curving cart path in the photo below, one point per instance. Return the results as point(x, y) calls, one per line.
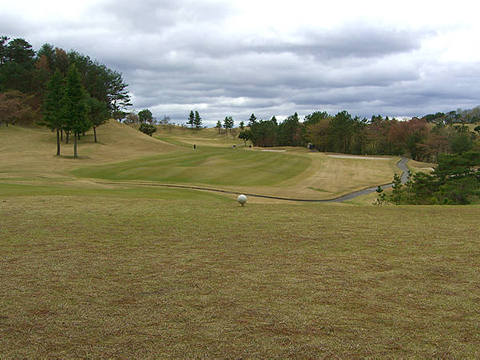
point(401, 164)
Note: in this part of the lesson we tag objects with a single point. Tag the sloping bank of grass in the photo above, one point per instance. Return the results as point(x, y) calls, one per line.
point(213, 166)
point(198, 278)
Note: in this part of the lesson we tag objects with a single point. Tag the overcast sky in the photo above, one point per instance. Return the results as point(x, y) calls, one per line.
point(396, 58)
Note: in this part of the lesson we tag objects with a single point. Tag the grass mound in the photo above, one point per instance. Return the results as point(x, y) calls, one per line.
point(31, 150)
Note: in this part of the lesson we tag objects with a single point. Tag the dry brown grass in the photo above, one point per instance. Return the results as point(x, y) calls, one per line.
point(27, 152)
point(92, 277)
point(118, 271)
point(200, 137)
point(328, 177)
point(333, 177)
point(418, 166)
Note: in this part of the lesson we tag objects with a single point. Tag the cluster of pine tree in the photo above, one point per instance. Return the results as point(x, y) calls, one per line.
point(66, 91)
point(194, 120)
point(67, 108)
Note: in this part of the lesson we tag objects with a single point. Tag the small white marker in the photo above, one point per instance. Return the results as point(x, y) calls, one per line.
point(242, 199)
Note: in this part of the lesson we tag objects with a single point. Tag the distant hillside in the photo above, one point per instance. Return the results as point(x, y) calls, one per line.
point(200, 137)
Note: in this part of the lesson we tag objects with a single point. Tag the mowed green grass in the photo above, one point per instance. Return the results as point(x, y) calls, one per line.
point(124, 276)
point(207, 165)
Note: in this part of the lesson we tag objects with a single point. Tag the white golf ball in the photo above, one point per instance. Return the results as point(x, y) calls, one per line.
point(242, 199)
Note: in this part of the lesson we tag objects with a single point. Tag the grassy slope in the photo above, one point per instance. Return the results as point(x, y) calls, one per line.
point(31, 151)
point(203, 137)
point(180, 277)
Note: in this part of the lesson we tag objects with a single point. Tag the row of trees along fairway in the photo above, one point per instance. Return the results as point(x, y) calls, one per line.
point(68, 92)
point(421, 139)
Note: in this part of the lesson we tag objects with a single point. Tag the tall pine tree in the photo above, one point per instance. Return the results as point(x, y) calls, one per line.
point(228, 124)
point(191, 119)
point(52, 106)
point(252, 120)
point(74, 110)
point(197, 121)
point(97, 114)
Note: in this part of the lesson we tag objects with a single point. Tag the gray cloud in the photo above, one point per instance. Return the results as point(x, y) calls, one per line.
point(362, 41)
point(180, 55)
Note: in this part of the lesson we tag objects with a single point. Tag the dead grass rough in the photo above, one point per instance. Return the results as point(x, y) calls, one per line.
point(181, 278)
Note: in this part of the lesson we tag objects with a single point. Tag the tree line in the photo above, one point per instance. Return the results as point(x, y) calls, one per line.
point(66, 91)
point(422, 139)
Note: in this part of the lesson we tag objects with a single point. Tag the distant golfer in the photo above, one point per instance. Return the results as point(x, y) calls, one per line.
point(194, 146)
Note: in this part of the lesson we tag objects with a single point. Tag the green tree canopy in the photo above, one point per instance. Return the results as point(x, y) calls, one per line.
point(97, 114)
point(219, 126)
point(197, 121)
point(148, 129)
point(145, 116)
point(191, 119)
point(16, 65)
point(252, 120)
point(228, 123)
point(52, 106)
point(74, 110)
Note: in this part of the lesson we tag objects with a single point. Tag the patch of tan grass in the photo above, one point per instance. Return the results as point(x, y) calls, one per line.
point(31, 151)
point(201, 137)
point(418, 166)
point(137, 278)
point(331, 177)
